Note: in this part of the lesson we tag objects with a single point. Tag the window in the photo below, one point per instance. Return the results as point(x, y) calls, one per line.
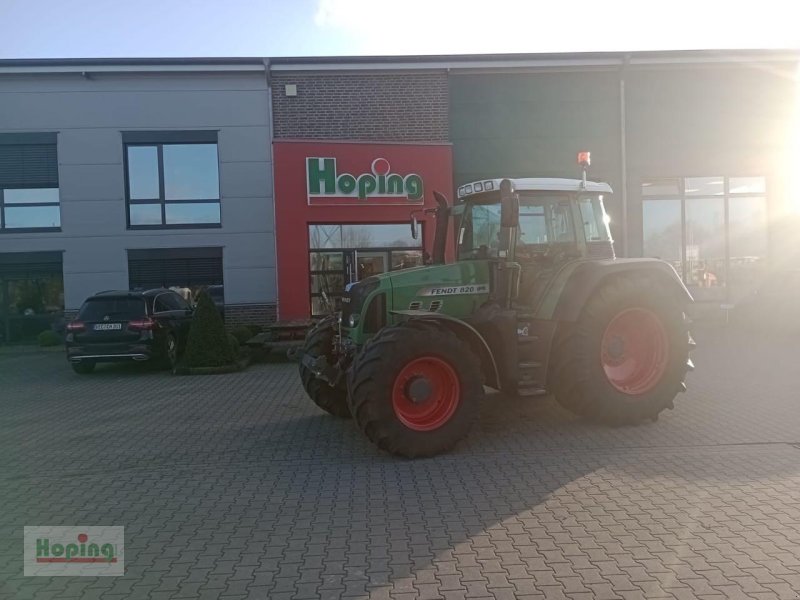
point(363, 236)
point(341, 254)
point(29, 198)
point(97, 308)
point(532, 225)
point(169, 301)
point(172, 179)
point(186, 271)
point(594, 220)
point(543, 220)
point(713, 230)
point(31, 294)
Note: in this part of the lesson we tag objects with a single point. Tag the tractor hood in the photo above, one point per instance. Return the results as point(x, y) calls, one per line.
point(457, 289)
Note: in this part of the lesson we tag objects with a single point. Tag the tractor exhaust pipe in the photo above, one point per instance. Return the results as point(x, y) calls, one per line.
point(442, 223)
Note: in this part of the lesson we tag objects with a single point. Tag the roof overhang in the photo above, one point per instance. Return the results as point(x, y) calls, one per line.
point(130, 65)
point(534, 184)
point(502, 62)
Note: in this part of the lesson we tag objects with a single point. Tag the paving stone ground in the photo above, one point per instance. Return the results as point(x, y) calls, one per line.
point(236, 486)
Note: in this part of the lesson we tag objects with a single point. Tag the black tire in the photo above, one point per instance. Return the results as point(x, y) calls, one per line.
point(372, 377)
point(580, 382)
point(83, 367)
point(319, 341)
point(170, 360)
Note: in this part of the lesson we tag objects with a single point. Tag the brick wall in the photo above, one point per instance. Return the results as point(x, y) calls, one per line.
point(249, 314)
point(389, 107)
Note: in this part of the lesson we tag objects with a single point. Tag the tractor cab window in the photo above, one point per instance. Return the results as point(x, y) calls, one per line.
point(543, 220)
point(532, 225)
point(546, 222)
point(479, 236)
point(595, 221)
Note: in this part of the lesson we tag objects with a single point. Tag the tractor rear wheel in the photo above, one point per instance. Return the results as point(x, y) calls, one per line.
point(415, 389)
point(319, 342)
point(627, 356)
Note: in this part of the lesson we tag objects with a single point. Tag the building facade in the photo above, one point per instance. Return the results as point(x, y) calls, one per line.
point(118, 174)
point(696, 145)
point(355, 154)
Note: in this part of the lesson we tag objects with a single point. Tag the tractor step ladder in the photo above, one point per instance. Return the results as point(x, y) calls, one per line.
point(532, 355)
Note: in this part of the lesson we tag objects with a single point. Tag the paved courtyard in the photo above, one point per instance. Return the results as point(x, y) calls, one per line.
point(236, 486)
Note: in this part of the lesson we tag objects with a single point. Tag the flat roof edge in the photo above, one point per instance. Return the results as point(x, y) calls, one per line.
point(127, 65)
point(463, 62)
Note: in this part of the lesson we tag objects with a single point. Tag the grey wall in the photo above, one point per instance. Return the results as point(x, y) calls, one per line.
point(89, 116)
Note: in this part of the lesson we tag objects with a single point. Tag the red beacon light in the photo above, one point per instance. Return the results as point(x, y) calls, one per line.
point(584, 160)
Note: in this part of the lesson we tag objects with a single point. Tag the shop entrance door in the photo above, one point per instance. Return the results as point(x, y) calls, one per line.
point(343, 254)
point(333, 270)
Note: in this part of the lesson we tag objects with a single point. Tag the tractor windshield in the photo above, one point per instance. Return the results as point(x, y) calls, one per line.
point(543, 220)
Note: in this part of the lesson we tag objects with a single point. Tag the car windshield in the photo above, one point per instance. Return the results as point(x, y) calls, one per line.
point(97, 309)
point(543, 219)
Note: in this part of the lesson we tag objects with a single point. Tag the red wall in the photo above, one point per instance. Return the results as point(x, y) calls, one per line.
point(433, 162)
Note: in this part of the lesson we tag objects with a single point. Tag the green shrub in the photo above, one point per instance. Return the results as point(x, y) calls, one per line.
point(242, 333)
point(255, 329)
point(49, 338)
point(233, 341)
point(208, 344)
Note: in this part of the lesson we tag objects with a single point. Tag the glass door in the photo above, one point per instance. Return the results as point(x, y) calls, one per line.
point(330, 271)
point(371, 262)
point(341, 254)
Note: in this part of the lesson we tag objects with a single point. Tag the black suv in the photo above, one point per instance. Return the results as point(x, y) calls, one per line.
point(121, 326)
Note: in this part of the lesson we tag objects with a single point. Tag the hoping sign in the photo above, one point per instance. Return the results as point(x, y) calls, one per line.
point(326, 185)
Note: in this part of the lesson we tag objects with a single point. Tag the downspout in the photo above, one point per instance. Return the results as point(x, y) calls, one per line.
point(623, 154)
point(270, 125)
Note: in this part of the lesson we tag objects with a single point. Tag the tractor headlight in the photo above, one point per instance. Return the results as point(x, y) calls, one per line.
point(353, 300)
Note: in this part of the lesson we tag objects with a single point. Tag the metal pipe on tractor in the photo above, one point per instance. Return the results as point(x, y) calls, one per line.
point(535, 303)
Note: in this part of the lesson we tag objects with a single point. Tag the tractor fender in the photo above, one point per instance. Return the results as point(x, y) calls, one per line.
point(572, 287)
point(468, 334)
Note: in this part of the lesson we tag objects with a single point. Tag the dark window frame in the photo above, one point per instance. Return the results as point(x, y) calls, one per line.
point(30, 139)
point(3, 207)
point(161, 201)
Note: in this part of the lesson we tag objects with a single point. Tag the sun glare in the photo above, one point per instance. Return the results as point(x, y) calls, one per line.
point(794, 148)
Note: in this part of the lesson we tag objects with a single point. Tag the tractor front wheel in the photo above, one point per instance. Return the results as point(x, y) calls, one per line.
point(627, 356)
point(415, 389)
point(319, 342)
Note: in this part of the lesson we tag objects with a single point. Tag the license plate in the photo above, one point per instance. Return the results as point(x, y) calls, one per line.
point(108, 327)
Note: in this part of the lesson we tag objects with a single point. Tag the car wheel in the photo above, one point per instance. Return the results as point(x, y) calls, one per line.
point(171, 352)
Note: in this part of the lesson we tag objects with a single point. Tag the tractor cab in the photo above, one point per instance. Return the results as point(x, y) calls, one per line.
point(529, 227)
point(548, 217)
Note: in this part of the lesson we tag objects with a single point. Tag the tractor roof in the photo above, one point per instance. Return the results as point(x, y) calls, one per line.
point(538, 184)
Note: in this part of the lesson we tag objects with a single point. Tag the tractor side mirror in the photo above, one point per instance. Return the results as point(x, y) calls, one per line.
point(509, 205)
point(414, 227)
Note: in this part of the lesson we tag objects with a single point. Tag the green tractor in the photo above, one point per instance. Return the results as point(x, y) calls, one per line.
point(536, 303)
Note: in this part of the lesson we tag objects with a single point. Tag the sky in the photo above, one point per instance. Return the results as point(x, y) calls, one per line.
point(168, 28)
